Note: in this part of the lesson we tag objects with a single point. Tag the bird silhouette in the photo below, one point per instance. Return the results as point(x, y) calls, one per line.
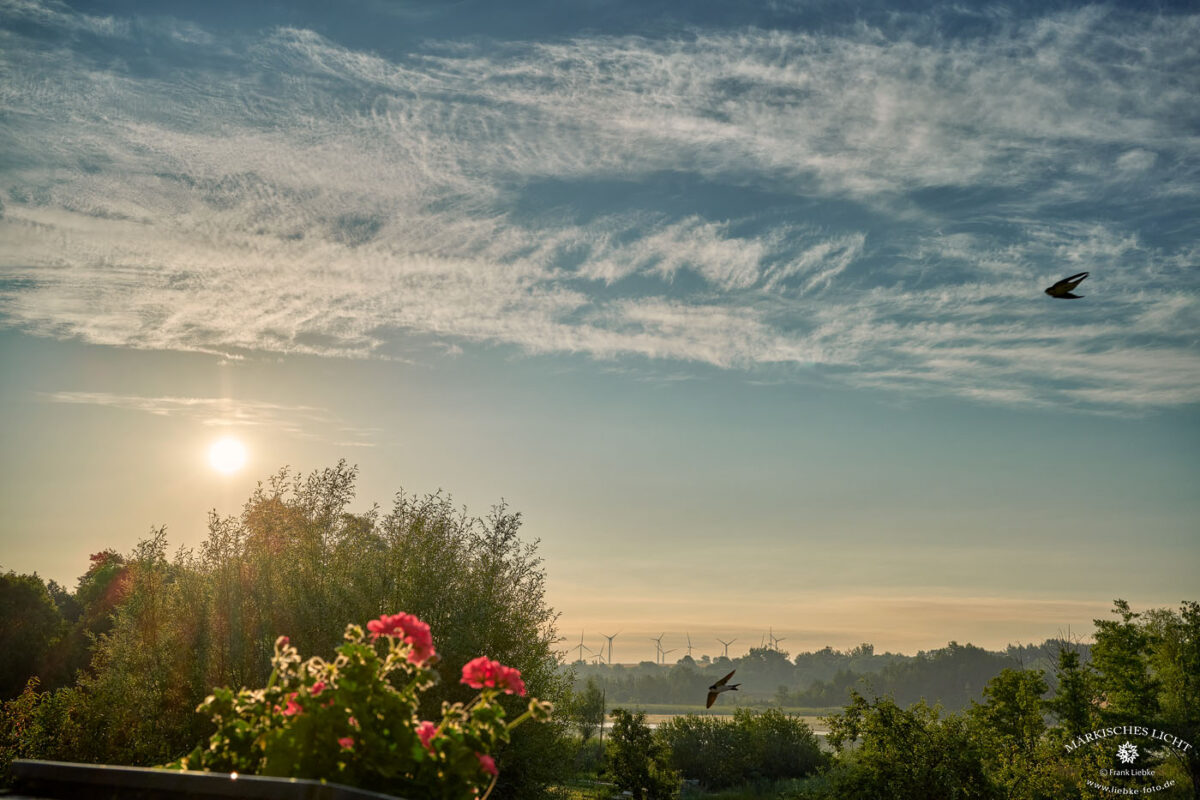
point(1064, 288)
point(720, 686)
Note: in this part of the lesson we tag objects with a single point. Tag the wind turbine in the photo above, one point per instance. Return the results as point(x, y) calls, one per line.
point(722, 641)
point(775, 640)
point(658, 648)
point(689, 647)
point(665, 652)
point(581, 647)
point(610, 640)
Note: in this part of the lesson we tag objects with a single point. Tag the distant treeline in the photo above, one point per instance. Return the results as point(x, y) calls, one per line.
point(952, 676)
point(1043, 724)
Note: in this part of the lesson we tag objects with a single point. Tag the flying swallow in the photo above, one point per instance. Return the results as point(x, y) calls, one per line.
point(719, 687)
point(1063, 288)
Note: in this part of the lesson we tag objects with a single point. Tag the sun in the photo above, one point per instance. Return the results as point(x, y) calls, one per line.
point(227, 455)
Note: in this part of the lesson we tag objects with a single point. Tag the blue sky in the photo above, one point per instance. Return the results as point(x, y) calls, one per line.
point(742, 307)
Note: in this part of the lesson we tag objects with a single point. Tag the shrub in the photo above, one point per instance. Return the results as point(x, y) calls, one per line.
point(887, 751)
point(720, 753)
point(355, 720)
point(638, 760)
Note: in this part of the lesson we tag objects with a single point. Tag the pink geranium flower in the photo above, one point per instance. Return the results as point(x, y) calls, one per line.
point(510, 679)
point(346, 742)
point(293, 708)
point(425, 732)
point(483, 673)
point(488, 764)
point(478, 673)
point(317, 688)
point(407, 627)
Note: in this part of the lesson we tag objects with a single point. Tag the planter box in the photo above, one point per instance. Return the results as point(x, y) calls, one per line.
point(60, 780)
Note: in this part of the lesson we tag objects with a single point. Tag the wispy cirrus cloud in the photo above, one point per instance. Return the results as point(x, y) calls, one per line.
point(875, 207)
point(223, 412)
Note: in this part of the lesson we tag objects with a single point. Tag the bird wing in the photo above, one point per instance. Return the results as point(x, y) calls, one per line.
point(712, 696)
point(724, 680)
point(1067, 284)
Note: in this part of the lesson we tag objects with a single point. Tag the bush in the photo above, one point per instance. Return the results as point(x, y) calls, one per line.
point(639, 761)
point(753, 747)
point(903, 753)
point(354, 720)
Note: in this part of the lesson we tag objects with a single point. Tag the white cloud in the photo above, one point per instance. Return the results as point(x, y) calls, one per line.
point(299, 196)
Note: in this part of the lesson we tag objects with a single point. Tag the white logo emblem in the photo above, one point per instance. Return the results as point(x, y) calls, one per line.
point(1128, 753)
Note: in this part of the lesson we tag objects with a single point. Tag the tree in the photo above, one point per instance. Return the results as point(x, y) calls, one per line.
point(100, 590)
point(586, 710)
point(1175, 660)
point(1009, 729)
point(887, 751)
point(638, 760)
point(1120, 658)
point(1073, 702)
point(1013, 709)
point(32, 625)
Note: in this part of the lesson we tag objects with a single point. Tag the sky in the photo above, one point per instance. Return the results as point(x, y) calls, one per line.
point(740, 305)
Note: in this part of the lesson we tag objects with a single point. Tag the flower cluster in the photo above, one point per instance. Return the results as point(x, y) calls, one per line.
point(408, 628)
point(425, 732)
point(354, 720)
point(483, 673)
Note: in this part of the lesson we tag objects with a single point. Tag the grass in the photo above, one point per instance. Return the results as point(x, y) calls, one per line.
point(791, 789)
point(583, 789)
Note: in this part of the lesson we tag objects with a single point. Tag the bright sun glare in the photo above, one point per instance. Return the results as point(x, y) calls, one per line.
point(227, 455)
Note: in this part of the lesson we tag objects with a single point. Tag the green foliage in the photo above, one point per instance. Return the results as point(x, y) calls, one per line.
point(1010, 732)
point(1173, 658)
point(903, 753)
point(704, 749)
point(100, 589)
point(639, 761)
point(1145, 671)
point(812, 788)
point(586, 710)
point(1073, 703)
point(354, 721)
point(135, 704)
point(750, 748)
point(17, 718)
point(1013, 711)
point(32, 625)
point(1120, 657)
